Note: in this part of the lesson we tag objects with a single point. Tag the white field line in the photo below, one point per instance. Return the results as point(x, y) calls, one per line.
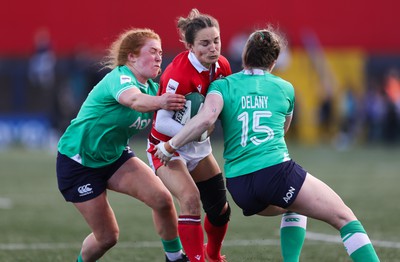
point(337, 239)
point(227, 243)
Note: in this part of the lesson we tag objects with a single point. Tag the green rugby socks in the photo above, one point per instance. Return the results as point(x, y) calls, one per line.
point(79, 258)
point(357, 243)
point(293, 233)
point(173, 248)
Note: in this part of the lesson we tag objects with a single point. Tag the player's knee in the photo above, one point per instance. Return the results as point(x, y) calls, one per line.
point(213, 198)
point(221, 219)
point(109, 240)
point(343, 216)
point(109, 243)
point(162, 201)
point(190, 202)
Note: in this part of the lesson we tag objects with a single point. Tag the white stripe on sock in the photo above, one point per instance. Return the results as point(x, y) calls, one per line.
point(356, 241)
point(294, 220)
point(189, 219)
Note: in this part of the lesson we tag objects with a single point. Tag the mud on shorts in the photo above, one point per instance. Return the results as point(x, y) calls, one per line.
point(276, 185)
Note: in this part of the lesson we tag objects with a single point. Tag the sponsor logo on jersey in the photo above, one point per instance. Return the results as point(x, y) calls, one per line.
point(140, 123)
point(172, 86)
point(85, 190)
point(199, 88)
point(125, 79)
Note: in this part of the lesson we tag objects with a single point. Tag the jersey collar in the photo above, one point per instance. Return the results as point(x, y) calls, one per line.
point(254, 71)
point(196, 63)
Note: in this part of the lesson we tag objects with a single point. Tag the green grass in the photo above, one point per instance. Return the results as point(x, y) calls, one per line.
point(40, 226)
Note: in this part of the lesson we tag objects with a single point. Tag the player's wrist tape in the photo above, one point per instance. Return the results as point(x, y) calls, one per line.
point(172, 145)
point(165, 152)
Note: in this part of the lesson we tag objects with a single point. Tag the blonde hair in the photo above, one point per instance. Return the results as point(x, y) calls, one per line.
point(130, 41)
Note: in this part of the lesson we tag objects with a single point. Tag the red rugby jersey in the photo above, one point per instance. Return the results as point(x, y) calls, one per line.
point(182, 77)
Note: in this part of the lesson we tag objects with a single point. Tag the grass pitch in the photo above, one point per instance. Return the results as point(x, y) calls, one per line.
point(36, 224)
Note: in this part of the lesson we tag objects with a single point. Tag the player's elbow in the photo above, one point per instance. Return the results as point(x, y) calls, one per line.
point(208, 121)
point(206, 124)
point(140, 105)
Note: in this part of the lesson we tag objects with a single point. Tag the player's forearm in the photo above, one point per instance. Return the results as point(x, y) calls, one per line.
point(201, 122)
point(145, 103)
point(191, 131)
point(165, 124)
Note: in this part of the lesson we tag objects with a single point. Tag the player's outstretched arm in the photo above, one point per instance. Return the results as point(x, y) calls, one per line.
point(193, 129)
point(138, 101)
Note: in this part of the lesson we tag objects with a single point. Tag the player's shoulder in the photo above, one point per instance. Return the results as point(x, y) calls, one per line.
point(178, 70)
point(180, 61)
point(228, 81)
point(178, 66)
point(282, 82)
point(118, 79)
point(284, 85)
point(121, 75)
point(219, 83)
point(231, 78)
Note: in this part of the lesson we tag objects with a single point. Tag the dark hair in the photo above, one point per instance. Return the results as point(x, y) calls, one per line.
point(130, 41)
point(194, 22)
point(263, 48)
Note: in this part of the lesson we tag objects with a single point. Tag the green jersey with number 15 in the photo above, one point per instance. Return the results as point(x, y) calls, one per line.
point(256, 104)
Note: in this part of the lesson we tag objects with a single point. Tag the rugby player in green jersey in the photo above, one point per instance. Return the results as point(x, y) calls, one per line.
point(261, 176)
point(93, 153)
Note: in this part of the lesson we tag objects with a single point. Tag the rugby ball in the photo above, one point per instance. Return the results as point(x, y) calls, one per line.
point(194, 102)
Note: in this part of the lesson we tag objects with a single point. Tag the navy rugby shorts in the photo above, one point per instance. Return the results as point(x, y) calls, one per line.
point(78, 183)
point(276, 185)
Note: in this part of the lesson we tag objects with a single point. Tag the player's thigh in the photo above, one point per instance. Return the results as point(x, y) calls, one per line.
point(178, 180)
point(99, 216)
point(207, 168)
point(138, 180)
point(317, 200)
point(272, 210)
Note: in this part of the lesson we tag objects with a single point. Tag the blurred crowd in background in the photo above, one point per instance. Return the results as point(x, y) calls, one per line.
point(42, 93)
